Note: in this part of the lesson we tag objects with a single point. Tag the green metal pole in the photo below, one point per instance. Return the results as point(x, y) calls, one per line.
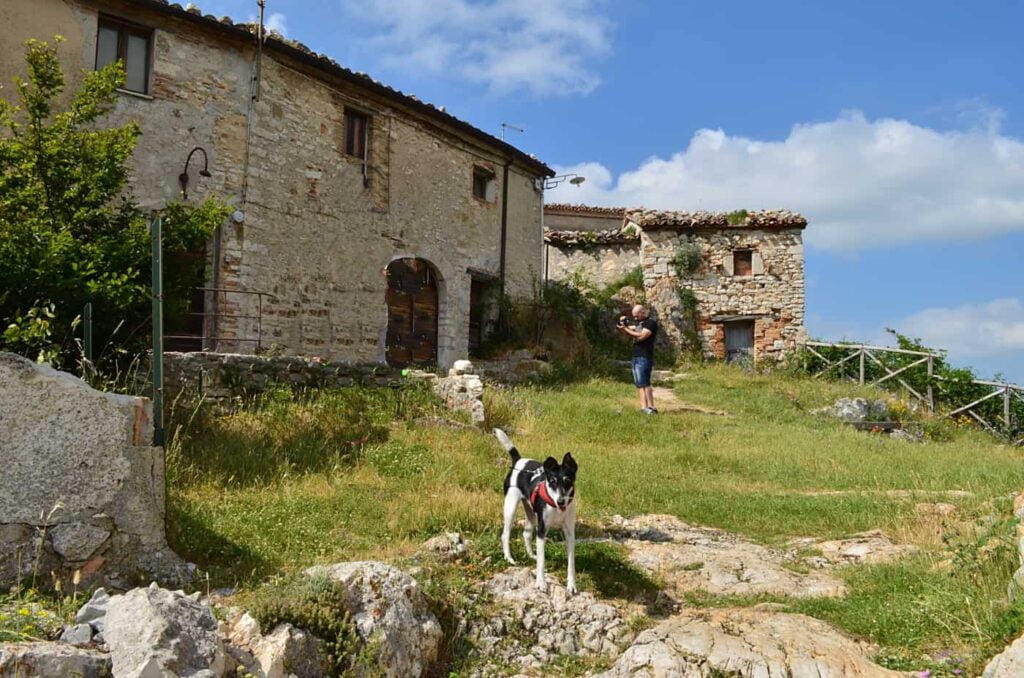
point(87, 339)
point(158, 333)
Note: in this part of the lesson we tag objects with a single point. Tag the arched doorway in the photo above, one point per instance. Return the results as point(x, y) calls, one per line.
point(412, 313)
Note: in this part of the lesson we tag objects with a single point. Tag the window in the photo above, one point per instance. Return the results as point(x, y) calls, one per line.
point(483, 184)
point(129, 44)
point(357, 126)
point(743, 262)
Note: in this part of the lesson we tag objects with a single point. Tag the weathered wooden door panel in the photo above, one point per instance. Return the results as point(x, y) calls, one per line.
point(412, 313)
point(739, 340)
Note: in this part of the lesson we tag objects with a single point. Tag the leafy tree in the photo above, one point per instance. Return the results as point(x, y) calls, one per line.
point(70, 231)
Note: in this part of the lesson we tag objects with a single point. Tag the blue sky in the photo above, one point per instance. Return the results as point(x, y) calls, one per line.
point(897, 128)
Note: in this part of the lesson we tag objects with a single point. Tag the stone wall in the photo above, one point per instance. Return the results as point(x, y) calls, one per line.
point(773, 297)
point(224, 375)
point(599, 264)
point(80, 487)
point(318, 231)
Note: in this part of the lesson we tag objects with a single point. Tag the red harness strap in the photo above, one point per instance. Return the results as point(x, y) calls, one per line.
point(541, 490)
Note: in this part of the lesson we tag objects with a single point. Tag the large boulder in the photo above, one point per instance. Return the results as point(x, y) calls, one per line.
point(50, 660)
point(528, 627)
point(155, 632)
point(390, 613)
point(81, 488)
point(1007, 664)
point(746, 643)
point(692, 558)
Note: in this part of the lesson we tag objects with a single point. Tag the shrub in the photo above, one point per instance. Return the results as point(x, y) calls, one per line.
point(315, 605)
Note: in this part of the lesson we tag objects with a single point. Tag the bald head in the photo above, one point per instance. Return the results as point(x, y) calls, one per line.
point(639, 312)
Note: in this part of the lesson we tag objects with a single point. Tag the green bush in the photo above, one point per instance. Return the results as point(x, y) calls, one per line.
point(70, 232)
point(316, 605)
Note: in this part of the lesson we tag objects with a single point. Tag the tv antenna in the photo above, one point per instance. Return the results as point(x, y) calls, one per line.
point(505, 126)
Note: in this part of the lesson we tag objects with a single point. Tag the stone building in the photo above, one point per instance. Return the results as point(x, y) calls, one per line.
point(747, 287)
point(369, 225)
point(580, 240)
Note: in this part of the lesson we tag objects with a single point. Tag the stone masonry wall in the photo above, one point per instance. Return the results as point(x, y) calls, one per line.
point(80, 486)
point(316, 235)
point(600, 264)
point(775, 296)
point(223, 375)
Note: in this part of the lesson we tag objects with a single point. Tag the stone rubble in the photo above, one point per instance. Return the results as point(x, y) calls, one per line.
point(52, 660)
point(527, 627)
point(152, 631)
point(446, 547)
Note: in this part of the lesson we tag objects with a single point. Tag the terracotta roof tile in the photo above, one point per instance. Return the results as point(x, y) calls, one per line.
point(651, 220)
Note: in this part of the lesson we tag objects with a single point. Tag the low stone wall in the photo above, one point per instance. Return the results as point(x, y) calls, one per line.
point(80, 486)
point(224, 375)
point(601, 264)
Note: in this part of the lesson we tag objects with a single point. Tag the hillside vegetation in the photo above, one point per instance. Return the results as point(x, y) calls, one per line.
point(287, 482)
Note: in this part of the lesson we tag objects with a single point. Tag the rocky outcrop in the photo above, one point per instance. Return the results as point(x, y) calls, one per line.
point(866, 547)
point(49, 660)
point(527, 627)
point(152, 631)
point(81, 487)
point(390, 614)
point(745, 643)
point(690, 558)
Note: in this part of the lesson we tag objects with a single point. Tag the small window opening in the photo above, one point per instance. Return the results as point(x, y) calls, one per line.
point(357, 126)
point(743, 262)
point(129, 44)
point(483, 184)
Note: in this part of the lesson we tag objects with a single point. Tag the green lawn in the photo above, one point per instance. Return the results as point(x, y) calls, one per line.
point(770, 470)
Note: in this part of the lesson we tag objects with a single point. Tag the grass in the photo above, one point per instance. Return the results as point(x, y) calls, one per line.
point(269, 490)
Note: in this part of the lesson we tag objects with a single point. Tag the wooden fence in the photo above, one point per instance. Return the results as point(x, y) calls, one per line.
point(873, 358)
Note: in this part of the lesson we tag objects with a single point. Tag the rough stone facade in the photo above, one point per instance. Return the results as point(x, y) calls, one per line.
point(771, 296)
point(319, 226)
point(81, 488)
point(580, 240)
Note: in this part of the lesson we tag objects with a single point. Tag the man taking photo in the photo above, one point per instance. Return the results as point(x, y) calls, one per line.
point(644, 331)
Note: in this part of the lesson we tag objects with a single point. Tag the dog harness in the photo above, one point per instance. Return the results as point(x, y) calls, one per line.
point(541, 490)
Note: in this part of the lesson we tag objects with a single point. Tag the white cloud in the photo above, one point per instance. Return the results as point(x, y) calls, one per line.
point(990, 329)
point(861, 183)
point(277, 22)
point(540, 46)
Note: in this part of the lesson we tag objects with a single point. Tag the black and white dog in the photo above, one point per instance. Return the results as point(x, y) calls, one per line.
point(547, 492)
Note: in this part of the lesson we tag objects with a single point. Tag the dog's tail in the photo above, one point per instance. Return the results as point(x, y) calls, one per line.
point(507, 444)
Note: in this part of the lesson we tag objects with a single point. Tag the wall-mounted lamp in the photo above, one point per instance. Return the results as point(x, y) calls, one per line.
point(574, 179)
point(183, 177)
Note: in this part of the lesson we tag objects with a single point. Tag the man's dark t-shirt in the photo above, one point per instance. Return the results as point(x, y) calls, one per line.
point(645, 348)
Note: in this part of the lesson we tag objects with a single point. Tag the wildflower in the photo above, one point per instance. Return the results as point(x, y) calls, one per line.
point(24, 612)
point(924, 674)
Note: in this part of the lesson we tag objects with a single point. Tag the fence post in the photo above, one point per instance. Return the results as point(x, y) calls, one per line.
point(158, 333)
point(87, 370)
point(862, 364)
point(931, 394)
point(1006, 406)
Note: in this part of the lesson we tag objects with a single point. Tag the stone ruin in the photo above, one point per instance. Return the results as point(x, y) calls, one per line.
point(81, 486)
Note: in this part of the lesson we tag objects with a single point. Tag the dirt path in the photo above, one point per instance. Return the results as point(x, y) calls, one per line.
point(666, 400)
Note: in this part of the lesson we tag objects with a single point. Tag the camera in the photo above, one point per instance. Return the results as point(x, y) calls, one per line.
point(623, 321)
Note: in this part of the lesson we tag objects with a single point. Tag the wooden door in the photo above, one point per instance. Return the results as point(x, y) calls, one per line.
point(739, 340)
point(412, 313)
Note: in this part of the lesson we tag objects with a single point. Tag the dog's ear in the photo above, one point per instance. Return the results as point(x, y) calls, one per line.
point(550, 465)
point(569, 463)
